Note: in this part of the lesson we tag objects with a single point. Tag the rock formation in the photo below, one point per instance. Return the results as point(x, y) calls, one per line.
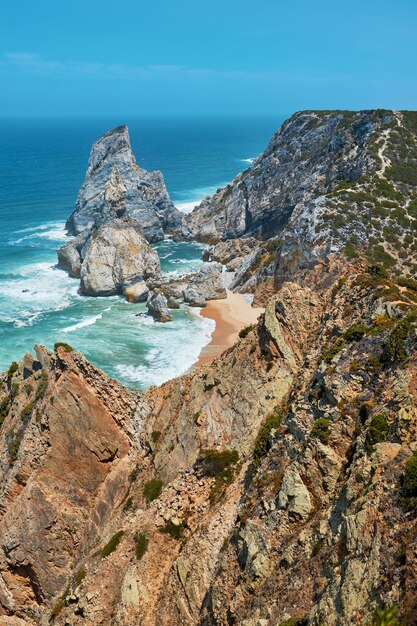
point(158, 307)
point(276, 484)
point(115, 186)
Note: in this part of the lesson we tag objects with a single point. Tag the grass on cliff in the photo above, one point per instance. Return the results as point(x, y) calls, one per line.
point(112, 544)
point(321, 430)
point(65, 346)
point(263, 439)
point(408, 484)
point(141, 545)
point(378, 431)
point(173, 530)
point(152, 489)
point(220, 465)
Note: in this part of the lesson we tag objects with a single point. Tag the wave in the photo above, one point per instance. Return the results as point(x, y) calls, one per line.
point(53, 231)
point(250, 160)
point(89, 321)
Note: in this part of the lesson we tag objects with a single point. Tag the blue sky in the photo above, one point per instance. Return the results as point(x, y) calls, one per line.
point(199, 57)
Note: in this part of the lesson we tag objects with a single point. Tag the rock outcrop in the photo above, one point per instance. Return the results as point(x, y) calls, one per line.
point(206, 284)
point(197, 502)
point(115, 256)
point(158, 307)
point(115, 186)
point(328, 181)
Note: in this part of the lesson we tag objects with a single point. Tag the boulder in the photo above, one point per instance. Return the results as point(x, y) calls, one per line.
point(136, 292)
point(173, 303)
point(207, 283)
point(69, 256)
point(157, 307)
point(193, 297)
point(115, 186)
point(115, 256)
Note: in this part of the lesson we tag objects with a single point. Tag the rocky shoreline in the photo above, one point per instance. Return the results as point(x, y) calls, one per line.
point(277, 485)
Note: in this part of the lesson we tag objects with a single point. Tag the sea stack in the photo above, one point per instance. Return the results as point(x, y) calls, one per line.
point(115, 186)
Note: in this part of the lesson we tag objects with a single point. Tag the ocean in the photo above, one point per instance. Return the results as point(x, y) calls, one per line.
point(42, 166)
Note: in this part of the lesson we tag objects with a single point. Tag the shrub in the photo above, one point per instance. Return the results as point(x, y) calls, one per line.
point(262, 442)
point(134, 474)
point(58, 606)
point(355, 332)
point(395, 351)
point(112, 544)
point(386, 617)
point(141, 545)
point(42, 387)
point(244, 332)
point(408, 484)
point(66, 347)
point(155, 435)
point(27, 411)
point(378, 431)
point(4, 408)
point(173, 530)
point(152, 489)
point(331, 350)
point(378, 271)
point(321, 430)
point(13, 445)
point(317, 547)
point(128, 504)
point(213, 462)
point(409, 283)
point(81, 574)
point(11, 371)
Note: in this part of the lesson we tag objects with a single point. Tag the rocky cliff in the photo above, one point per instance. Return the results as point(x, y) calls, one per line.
point(328, 181)
point(277, 484)
point(115, 186)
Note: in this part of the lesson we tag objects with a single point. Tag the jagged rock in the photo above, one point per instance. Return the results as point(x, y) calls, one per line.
point(136, 292)
point(117, 255)
point(69, 255)
point(294, 495)
point(207, 284)
point(115, 186)
point(227, 251)
point(157, 307)
point(172, 303)
point(193, 297)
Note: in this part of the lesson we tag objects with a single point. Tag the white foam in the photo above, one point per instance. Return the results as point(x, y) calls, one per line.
point(54, 231)
point(187, 207)
point(89, 321)
point(250, 160)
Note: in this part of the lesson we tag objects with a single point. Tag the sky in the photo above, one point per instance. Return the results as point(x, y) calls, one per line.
point(205, 57)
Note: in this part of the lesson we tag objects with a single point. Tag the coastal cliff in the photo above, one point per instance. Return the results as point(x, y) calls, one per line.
point(276, 486)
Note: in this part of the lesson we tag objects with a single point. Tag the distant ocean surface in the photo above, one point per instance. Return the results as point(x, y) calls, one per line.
point(42, 166)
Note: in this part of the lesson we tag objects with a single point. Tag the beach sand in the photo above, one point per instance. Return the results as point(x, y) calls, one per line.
point(231, 315)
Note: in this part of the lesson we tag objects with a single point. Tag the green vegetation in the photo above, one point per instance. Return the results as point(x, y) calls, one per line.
point(134, 474)
point(42, 387)
point(112, 544)
point(378, 431)
point(13, 444)
point(27, 411)
point(65, 346)
point(155, 435)
point(128, 504)
point(262, 442)
point(11, 372)
point(4, 408)
point(355, 332)
point(173, 530)
point(408, 484)
point(214, 462)
point(295, 621)
point(321, 430)
point(331, 350)
point(317, 547)
point(141, 545)
point(152, 489)
point(218, 464)
point(81, 574)
point(395, 350)
point(386, 617)
point(245, 331)
point(58, 606)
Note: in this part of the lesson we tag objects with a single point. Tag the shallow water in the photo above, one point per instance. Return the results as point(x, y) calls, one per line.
point(42, 165)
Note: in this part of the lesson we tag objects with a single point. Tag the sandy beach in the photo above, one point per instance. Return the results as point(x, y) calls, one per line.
point(231, 315)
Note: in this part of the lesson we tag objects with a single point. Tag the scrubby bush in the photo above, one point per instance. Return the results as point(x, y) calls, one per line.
point(66, 347)
point(386, 617)
point(378, 431)
point(141, 545)
point(81, 574)
point(42, 387)
point(331, 350)
point(112, 544)
point(155, 435)
point(152, 489)
point(395, 350)
point(213, 462)
point(355, 332)
point(262, 442)
point(321, 430)
point(408, 484)
point(11, 371)
point(378, 271)
point(173, 530)
point(409, 283)
point(244, 332)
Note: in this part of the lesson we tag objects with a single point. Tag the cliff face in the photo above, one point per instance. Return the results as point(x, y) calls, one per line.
point(115, 186)
point(278, 474)
point(328, 181)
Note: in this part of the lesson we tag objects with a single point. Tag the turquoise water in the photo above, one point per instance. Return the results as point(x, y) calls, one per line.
point(42, 165)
